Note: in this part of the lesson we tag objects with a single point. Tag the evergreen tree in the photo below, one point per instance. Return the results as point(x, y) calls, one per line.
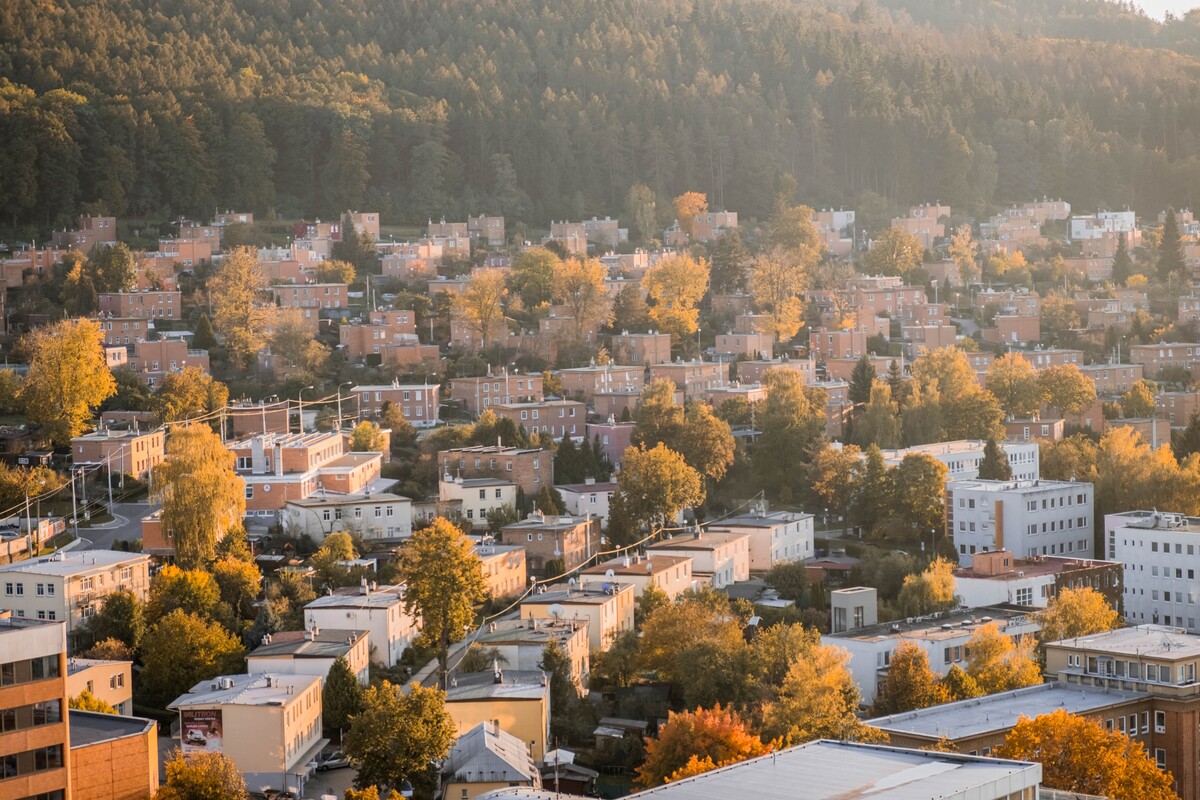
point(1170, 247)
point(1122, 266)
point(861, 378)
point(1187, 441)
point(897, 383)
point(994, 466)
point(729, 260)
point(341, 698)
point(550, 502)
point(873, 493)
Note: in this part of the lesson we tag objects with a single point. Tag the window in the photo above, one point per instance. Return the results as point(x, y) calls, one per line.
point(1160, 757)
point(1160, 722)
point(249, 491)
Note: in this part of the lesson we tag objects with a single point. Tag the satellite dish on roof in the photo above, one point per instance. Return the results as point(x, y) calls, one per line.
point(609, 573)
point(557, 611)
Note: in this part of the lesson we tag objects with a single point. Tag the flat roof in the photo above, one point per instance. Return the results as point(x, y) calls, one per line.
point(555, 521)
point(351, 460)
point(829, 770)
point(768, 520)
point(91, 727)
point(1015, 487)
point(580, 595)
point(335, 498)
point(942, 627)
point(998, 712)
point(258, 689)
point(1159, 521)
point(531, 631)
point(597, 486)
point(1158, 641)
point(514, 684)
point(353, 597)
point(326, 643)
point(637, 566)
point(1033, 567)
point(76, 664)
point(709, 540)
point(74, 562)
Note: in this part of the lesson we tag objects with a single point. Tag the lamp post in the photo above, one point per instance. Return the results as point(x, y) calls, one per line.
point(339, 401)
point(301, 395)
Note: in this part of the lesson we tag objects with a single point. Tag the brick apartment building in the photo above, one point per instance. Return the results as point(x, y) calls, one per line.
point(419, 403)
point(124, 452)
point(146, 304)
point(481, 393)
point(529, 468)
point(554, 418)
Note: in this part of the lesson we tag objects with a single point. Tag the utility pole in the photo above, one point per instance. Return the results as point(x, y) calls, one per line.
point(74, 507)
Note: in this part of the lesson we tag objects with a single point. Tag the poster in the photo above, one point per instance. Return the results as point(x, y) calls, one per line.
point(200, 730)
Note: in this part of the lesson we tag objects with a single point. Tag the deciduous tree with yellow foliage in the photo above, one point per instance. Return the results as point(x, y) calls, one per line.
point(777, 278)
point(239, 313)
point(578, 285)
point(1077, 612)
point(999, 664)
point(480, 304)
point(910, 683)
point(68, 377)
point(1079, 755)
point(688, 206)
point(675, 286)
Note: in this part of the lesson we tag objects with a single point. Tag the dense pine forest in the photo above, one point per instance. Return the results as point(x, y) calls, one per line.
point(554, 108)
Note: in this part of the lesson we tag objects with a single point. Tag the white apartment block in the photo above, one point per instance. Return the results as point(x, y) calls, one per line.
point(943, 637)
point(1161, 555)
point(776, 537)
point(962, 458)
point(71, 586)
point(375, 610)
point(1028, 518)
point(475, 497)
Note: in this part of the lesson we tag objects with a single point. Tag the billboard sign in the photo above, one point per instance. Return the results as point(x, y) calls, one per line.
point(200, 730)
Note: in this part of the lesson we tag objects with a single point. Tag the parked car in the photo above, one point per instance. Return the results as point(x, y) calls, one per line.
point(335, 760)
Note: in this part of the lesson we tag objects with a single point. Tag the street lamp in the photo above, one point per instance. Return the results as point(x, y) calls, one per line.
point(302, 408)
point(339, 401)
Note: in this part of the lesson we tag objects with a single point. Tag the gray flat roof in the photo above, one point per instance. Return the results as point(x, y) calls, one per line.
point(379, 597)
point(74, 562)
point(90, 727)
point(328, 643)
point(999, 712)
point(828, 770)
point(514, 685)
point(1158, 641)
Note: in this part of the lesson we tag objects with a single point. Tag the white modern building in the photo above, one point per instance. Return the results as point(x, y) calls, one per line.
point(588, 498)
point(943, 637)
point(371, 515)
point(776, 537)
point(1028, 518)
point(1161, 557)
point(475, 497)
point(376, 611)
point(997, 577)
point(1094, 226)
point(719, 558)
point(962, 458)
point(71, 586)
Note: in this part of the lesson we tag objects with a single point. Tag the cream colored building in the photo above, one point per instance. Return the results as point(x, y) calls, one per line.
point(504, 568)
point(311, 652)
point(375, 610)
point(718, 559)
point(609, 611)
point(475, 497)
point(70, 586)
point(670, 573)
point(519, 702)
point(110, 681)
point(270, 725)
point(370, 514)
point(776, 537)
point(521, 642)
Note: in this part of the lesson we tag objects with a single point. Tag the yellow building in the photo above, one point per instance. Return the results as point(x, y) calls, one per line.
point(607, 608)
point(484, 759)
point(110, 681)
point(503, 568)
point(518, 701)
point(270, 725)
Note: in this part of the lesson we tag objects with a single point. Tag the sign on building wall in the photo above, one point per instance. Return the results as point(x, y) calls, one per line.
point(200, 730)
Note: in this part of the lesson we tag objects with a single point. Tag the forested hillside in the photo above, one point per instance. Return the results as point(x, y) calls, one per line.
point(553, 108)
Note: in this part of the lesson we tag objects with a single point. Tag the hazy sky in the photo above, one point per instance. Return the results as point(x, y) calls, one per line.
point(1155, 8)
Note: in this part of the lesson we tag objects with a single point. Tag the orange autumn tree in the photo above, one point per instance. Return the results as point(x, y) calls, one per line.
point(696, 741)
point(1079, 755)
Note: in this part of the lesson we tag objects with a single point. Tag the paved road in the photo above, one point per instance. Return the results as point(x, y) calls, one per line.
point(126, 524)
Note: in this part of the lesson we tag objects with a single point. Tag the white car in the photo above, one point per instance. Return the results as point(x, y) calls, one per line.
point(335, 760)
point(196, 737)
